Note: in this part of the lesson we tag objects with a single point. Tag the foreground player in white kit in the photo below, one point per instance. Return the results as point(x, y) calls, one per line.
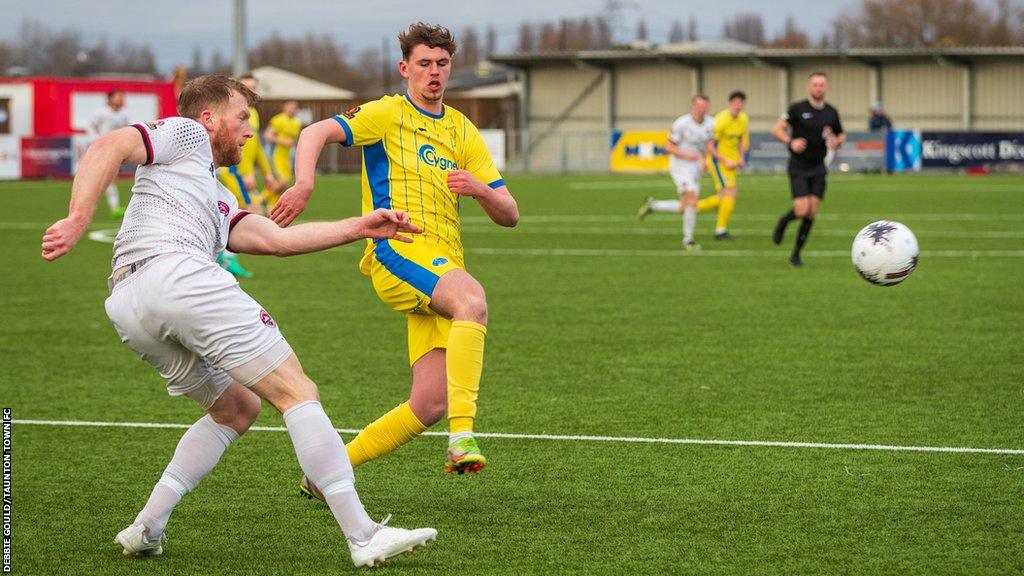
point(107, 119)
point(185, 315)
point(688, 146)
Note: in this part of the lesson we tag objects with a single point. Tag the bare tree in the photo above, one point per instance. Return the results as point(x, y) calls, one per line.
point(746, 27)
point(527, 37)
point(468, 53)
point(676, 34)
point(927, 23)
point(691, 29)
point(491, 44)
point(791, 37)
point(641, 30)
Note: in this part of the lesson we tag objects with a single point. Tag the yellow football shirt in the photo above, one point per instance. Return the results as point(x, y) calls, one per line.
point(407, 153)
point(731, 134)
point(252, 150)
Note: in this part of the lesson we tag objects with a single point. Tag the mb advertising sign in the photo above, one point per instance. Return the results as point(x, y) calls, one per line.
point(639, 151)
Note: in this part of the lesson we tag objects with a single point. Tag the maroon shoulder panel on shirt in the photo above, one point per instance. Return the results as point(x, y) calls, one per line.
point(145, 140)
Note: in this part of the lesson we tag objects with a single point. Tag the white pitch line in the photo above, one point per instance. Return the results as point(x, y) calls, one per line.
point(931, 217)
point(581, 438)
point(658, 230)
point(726, 253)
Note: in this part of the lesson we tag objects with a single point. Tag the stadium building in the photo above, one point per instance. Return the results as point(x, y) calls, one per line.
point(573, 101)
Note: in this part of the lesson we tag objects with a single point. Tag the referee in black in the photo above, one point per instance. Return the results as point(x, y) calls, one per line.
point(810, 129)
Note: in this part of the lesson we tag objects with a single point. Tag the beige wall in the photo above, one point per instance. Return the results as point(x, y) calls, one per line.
point(652, 96)
point(762, 84)
point(998, 90)
point(648, 96)
point(924, 95)
point(552, 90)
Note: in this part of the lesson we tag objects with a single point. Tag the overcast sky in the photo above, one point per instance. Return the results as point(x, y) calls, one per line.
point(208, 23)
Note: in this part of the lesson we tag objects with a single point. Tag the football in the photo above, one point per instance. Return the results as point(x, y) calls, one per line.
point(885, 252)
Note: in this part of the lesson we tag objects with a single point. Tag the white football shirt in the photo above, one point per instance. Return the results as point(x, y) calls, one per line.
point(177, 204)
point(106, 120)
point(691, 136)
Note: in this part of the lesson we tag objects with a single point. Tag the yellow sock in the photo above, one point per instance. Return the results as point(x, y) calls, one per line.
point(724, 211)
point(464, 360)
point(385, 434)
point(707, 204)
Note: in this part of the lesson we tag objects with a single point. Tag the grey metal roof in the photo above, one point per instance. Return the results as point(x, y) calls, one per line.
point(695, 52)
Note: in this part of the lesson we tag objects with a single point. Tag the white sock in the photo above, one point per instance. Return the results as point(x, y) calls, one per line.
point(113, 200)
point(689, 222)
point(323, 459)
point(453, 438)
point(671, 206)
point(198, 451)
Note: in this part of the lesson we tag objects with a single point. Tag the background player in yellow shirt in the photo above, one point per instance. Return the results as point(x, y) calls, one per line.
point(424, 157)
point(282, 132)
point(240, 179)
point(730, 145)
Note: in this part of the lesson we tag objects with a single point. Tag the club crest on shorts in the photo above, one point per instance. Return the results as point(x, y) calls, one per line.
point(439, 261)
point(266, 319)
point(222, 207)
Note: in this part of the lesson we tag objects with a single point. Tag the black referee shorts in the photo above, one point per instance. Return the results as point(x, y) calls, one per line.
point(807, 181)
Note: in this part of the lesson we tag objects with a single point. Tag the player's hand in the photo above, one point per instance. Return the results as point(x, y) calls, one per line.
point(832, 143)
point(60, 238)
point(386, 224)
point(729, 164)
point(272, 182)
point(798, 145)
point(465, 184)
point(291, 204)
point(249, 181)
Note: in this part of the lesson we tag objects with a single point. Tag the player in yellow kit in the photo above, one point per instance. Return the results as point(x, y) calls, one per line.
point(282, 132)
point(422, 157)
point(729, 153)
point(240, 179)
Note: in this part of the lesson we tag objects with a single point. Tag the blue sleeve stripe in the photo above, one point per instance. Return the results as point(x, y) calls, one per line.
point(497, 183)
point(241, 185)
point(348, 131)
point(406, 270)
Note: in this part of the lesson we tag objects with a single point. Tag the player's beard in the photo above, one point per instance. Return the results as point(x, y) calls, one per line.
point(226, 151)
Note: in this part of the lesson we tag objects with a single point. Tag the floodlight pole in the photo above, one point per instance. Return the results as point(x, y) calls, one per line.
point(241, 61)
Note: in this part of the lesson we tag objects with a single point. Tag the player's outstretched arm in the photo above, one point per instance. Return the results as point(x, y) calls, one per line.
point(255, 234)
point(96, 171)
point(312, 140)
point(498, 202)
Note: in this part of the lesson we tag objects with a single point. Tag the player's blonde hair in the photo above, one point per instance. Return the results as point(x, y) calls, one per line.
point(206, 92)
point(430, 35)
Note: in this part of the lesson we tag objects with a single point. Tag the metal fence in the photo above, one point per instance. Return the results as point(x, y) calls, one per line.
point(588, 151)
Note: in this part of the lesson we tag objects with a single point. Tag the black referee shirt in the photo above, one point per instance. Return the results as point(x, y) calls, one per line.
point(812, 124)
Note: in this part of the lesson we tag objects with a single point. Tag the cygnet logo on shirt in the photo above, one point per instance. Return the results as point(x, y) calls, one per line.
point(266, 319)
point(428, 154)
point(222, 207)
point(439, 261)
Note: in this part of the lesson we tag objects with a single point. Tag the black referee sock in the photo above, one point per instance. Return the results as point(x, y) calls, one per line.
point(801, 237)
point(780, 226)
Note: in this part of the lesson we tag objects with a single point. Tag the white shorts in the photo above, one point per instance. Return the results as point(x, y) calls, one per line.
point(189, 318)
point(686, 179)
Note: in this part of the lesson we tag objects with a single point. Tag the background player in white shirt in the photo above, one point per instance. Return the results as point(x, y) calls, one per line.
point(688, 144)
point(185, 315)
point(107, 119)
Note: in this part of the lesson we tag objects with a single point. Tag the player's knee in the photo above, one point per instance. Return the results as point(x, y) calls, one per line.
point(249, 410)
point(430, 411)
point(475, 308)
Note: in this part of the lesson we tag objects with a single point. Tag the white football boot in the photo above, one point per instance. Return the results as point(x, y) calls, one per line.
point(388, 542)
point(135, 541)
